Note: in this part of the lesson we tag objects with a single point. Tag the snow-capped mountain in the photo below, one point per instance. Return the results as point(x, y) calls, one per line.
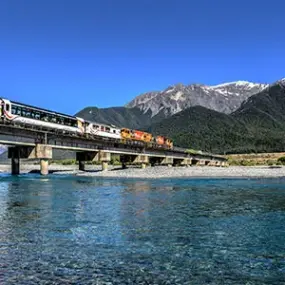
point(225, 98)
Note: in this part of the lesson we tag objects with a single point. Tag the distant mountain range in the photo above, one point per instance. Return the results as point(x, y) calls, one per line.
point(152, 107)
point(257, 126)
point(224, 98)
point(236, 117)
point(232, 117)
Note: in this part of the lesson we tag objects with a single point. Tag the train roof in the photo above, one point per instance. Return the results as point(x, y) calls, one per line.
point(102, 124)
point(42, 109)
point(58, 113)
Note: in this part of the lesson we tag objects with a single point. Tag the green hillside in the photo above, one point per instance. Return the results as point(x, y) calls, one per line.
point(257, 126)
point(119, 116)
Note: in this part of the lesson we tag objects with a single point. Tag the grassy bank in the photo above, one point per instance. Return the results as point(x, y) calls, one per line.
point(257, 159)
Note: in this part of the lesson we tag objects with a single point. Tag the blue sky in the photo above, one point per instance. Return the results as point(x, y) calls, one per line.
point(65, 55)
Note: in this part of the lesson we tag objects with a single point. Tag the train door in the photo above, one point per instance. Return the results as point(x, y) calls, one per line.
point(6, 109)
point(81, 125)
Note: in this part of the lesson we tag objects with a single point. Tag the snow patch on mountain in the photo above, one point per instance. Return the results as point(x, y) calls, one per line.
point(225, 97)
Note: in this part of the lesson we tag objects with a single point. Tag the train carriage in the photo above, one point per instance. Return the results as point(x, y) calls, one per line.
point(108, 131)
point(24, 114)
point(33, 116)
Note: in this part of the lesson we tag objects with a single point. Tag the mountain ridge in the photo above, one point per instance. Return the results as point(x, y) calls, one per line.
point(224, 97)
point(257, 126)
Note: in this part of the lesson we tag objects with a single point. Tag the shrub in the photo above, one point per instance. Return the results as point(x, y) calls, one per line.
point(281, 160)
point(68, 162)
point(271, 162)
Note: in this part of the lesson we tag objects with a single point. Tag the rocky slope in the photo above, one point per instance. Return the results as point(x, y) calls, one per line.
point(224, 98)
point(257, 126)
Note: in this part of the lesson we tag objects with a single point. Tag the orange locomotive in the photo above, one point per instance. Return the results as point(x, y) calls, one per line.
point(161, 140)
point(136, 135)
point(146, 137)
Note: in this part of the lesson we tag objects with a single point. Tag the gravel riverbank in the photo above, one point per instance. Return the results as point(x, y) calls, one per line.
point(158, 171)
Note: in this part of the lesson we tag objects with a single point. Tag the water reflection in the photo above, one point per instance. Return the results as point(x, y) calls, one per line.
point(64, 230)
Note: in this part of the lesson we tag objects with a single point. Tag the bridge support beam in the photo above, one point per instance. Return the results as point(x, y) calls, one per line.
point(99, 156)
point(215, 163)
point(143, 160)
point(40, 151)
point(201, 162)
point(186, 161)
point(44, 166)
point(14, 154)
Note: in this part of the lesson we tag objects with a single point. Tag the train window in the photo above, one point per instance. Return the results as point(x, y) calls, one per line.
point(96, 127)
point(37, 116)
point(102, 128)
point(114, 131)
point(108, 129)
point(7, 107)
point(14, 110)
point(19, 111)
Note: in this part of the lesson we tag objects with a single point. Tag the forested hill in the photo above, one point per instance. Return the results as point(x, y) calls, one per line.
point(257, 126)
point(119, 116)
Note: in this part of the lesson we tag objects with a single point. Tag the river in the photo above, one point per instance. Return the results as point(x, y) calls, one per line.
point(76, 230)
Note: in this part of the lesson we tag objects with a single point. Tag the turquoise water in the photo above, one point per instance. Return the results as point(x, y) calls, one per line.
point(68, 230)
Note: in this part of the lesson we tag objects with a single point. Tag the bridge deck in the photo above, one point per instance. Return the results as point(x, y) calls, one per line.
point(16, 135)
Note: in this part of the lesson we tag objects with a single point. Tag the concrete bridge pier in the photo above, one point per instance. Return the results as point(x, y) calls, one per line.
point(44, 153)
point(99, 156)
point(143, 165)
point(186, 162)
point(167, 161)
point(104, 158)
point(104, 165)
point(44, 166)
point(81, 164)
point(142, 160)
point(202, 162)
point(40, 151)
point(14, 154)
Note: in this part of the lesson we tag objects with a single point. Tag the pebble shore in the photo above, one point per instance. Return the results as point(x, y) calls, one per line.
point(159, 171)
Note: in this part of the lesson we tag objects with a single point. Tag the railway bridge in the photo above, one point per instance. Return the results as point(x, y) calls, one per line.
point(26, 142)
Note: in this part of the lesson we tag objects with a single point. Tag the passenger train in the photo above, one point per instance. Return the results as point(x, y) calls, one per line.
point(28, 115)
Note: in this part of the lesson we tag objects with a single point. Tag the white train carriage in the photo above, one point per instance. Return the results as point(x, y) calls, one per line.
point(97, 129)
point(33, 116)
